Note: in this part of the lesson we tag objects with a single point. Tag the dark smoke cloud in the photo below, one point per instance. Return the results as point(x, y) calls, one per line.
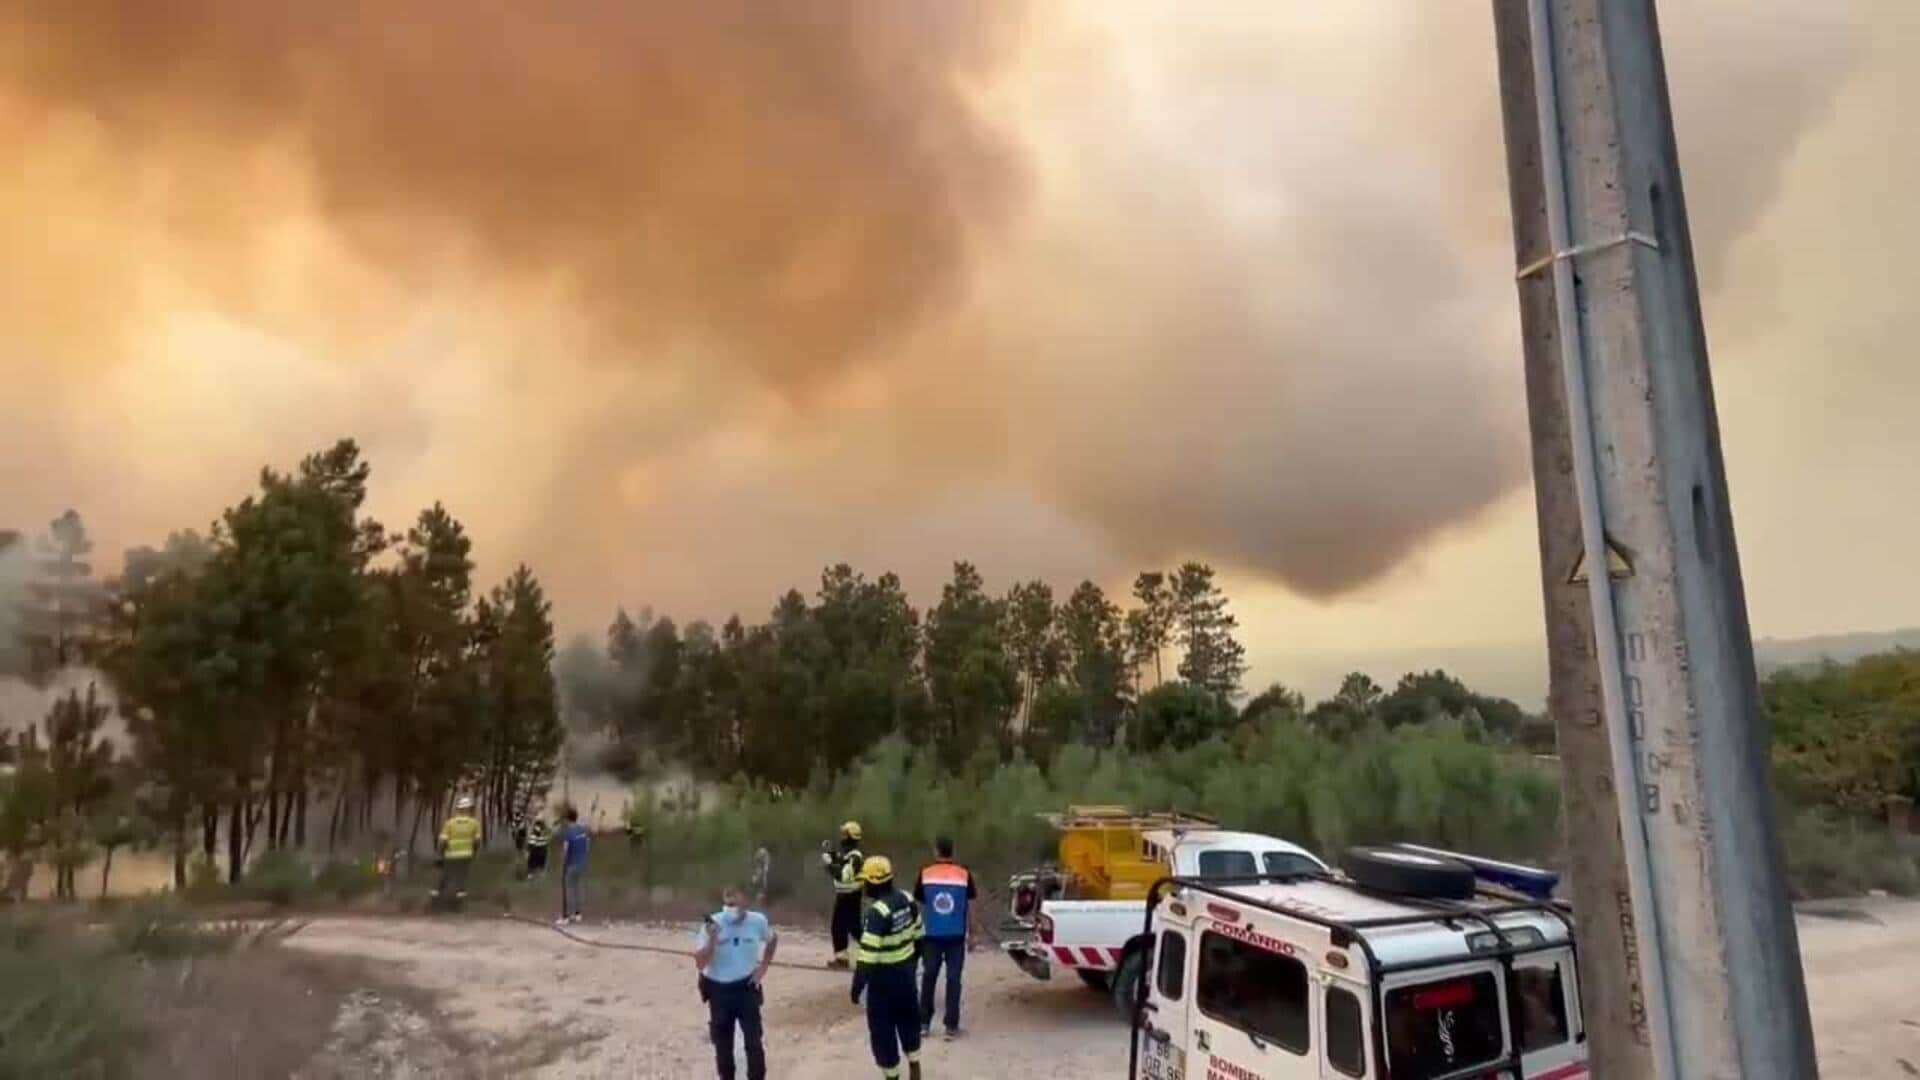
point(784, 184)
point(682, 301)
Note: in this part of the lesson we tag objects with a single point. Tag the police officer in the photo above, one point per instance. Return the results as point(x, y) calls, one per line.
point(733, 952)
point(889, 945)
point(945, 891)
point(843, 869)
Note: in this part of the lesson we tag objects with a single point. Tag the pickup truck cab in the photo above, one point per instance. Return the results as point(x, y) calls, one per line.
point(1099, 937)
point(1416, 965)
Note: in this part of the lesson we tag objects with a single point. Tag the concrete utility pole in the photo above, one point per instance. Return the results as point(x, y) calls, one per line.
point(1690, 961)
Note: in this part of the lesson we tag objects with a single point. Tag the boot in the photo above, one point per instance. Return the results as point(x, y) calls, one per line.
point(913, 1070)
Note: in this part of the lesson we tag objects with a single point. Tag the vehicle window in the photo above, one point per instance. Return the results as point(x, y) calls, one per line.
point(1439, 1028)
point(1259, 992)
point(1228, 864)
point(1284, 864)
point(1173, 964)
point(1543, 1007)
point(1346, 1039)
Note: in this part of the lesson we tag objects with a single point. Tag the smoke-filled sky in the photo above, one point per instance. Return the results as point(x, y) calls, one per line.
point(680, 302)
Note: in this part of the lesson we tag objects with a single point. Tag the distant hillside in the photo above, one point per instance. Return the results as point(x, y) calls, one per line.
point(1519, 671)
point(1774, 654)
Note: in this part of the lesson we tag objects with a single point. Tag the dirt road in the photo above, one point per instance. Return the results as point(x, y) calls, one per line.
point(518, 993)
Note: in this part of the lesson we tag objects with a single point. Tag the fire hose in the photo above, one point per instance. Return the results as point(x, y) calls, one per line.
point(663, 950)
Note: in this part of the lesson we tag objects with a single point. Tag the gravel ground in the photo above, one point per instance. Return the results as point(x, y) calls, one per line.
point(527, 1001)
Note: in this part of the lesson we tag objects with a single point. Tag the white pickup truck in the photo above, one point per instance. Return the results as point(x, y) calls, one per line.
point(1103, 942)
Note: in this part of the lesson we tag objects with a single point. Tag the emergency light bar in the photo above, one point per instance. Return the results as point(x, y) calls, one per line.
point(1529, 881)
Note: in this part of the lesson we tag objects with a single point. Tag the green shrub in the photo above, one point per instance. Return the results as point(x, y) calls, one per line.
point(345, 880)
point(58, 1012)
point(1831, 854)
point(1277, 777)
point(278, 877)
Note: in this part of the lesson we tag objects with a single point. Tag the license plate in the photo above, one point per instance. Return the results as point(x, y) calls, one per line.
point(1163, 1061)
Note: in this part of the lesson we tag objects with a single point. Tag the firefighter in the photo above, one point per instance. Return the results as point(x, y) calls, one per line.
point(459, 840)
point(538, 837)
point(843, 869)
point(889, 948)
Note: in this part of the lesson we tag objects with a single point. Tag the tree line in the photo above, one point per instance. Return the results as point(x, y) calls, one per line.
point(299, 671)
point(977, 676)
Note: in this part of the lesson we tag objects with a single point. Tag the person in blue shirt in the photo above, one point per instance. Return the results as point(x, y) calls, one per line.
point(574, 841)
point(733, 950)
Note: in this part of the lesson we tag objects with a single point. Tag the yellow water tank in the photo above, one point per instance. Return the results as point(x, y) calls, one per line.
point(1105, 854)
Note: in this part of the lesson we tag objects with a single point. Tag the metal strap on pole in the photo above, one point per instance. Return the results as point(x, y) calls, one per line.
point(1640, 876)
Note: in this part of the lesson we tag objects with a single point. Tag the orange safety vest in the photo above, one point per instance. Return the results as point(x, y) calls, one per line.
point(943, 889)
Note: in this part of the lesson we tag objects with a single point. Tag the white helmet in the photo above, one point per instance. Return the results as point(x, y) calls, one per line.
point(464, 802)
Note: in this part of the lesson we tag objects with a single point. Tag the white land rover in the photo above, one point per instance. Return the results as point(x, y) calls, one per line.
point(1415, 964)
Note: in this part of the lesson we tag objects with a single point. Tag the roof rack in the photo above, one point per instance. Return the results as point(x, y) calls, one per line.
point(1352, 932)
point(1121, 817)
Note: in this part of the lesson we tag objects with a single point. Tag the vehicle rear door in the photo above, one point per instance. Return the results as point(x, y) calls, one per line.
point(1253, 1004)
point(1552, 1035)
point(1445, 1022)
point(1342, 1019)
point(1165, 1026)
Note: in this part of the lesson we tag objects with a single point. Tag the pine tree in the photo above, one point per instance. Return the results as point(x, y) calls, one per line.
point(1214, 660)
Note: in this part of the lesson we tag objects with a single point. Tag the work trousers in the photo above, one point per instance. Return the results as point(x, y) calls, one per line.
point(729, 1004)
point(846, 921)
point(573, 890)
point(893, 1015)
point(935, 953)
point(453, 877)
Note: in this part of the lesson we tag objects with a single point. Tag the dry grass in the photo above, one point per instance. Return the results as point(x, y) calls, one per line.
point(253, 1012)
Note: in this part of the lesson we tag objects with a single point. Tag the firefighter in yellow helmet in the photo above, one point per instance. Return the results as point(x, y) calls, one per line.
point(889, 953)
point(843, 869)
point(459, 842)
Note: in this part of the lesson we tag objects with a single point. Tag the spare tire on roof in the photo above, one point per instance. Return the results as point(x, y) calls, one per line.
point(1410, 873)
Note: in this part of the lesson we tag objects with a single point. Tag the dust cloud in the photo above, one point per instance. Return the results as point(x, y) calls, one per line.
point(682, 302)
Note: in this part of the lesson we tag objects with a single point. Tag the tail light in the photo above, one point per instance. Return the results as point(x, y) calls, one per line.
point(1046, 929)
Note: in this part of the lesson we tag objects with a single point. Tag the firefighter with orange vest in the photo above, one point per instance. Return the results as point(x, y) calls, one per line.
point(945, 891)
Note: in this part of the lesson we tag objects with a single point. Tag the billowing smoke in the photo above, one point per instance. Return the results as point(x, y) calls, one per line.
point(684, 301)
point(14, 572)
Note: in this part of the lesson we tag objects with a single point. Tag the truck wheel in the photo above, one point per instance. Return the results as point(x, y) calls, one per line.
point(1095, 980)
point(1410, 873)
point(1126, 981)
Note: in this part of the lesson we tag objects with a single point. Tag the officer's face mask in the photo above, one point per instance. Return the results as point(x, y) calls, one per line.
point(736, 912)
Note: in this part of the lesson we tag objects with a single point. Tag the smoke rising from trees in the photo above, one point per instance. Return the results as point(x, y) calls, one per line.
point(703, 296)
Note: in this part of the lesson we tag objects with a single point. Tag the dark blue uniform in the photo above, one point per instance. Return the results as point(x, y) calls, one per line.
point(889, 945)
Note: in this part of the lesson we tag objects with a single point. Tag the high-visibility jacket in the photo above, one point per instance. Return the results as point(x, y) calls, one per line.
point(891, 931)
point(460, 836)
point(945, 890)
point(539, 835)
point(846, 878)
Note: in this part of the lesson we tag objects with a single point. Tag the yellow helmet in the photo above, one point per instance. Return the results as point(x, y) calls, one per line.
point(877, 870)
point(851, 830)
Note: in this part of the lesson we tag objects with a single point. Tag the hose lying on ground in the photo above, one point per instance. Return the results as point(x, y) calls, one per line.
point(661, 949)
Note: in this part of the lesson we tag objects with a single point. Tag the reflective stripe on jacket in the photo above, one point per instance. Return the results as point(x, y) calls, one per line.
point(848, 879)
point(460, 836)
point(891, 931)
point(539, 835)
